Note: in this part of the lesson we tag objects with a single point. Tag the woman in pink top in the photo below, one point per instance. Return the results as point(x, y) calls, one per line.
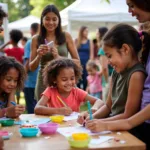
point(62, 96)
point(94, 79)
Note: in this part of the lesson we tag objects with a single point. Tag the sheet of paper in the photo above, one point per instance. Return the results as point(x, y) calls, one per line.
point(33, 121)
point(100, 140)
point(73, 116)
point(67, 131)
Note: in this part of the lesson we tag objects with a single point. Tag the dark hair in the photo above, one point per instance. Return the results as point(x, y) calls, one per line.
point(126, 34)
point(25, 39)
point(2, 13)
point(60, 35)
point(80, 35)
point(6, 63)
point(102, 31)
point(144, 4)
point(16, 35)
point(54, 67)
point(35, 27)
point(92, 64)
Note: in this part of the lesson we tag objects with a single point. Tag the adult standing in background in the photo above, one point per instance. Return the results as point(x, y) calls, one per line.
point(41, 54)
point(30, 82)
point(106, 69)
point(85, 50)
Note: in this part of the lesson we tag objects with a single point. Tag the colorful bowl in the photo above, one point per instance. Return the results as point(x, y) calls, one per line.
point(57, 119)
point(80, 136)
point(29, 132)
point(8, 122)
point(48, 128)
point(78, 143)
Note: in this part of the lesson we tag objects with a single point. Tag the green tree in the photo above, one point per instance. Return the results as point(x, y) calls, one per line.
point(38, 5)
point(17, 10)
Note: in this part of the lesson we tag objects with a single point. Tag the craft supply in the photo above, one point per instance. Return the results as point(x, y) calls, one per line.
point(89, 109)
point(61, 101)
point(13, 103)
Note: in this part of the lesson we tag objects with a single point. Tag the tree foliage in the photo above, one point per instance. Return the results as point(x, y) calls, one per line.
point(17, 10)
point(38, 5)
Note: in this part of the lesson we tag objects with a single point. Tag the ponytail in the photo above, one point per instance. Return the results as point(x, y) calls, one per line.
point(145, 47)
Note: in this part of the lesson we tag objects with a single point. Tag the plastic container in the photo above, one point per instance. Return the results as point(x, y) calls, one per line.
point(57, 119)
point(8, 122)
point(79, 143)
point(29, 132)
point(5, 135)
point(48, 128)
point(80, 136)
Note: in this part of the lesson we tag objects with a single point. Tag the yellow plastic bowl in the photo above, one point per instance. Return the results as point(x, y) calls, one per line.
point(78, 143)
point(80, 136)
point(57, 119)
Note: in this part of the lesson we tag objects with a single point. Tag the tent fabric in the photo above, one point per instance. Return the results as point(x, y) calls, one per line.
point(24, 23)
point(99, 12)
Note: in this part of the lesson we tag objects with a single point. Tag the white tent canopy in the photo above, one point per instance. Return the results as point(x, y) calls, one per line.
point(96, 13)
point(24, 24)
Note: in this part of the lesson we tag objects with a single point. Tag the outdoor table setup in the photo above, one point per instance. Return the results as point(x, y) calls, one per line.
point(64, 133)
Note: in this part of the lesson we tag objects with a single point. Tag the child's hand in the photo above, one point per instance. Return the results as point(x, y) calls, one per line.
point(82, 117)
point(96, 125)
point(15, 111)
point(65, 111)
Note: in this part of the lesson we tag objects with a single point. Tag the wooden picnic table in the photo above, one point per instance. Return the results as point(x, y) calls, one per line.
point(59, 142)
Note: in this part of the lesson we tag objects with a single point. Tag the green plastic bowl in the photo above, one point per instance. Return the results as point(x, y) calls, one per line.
point(78, 143)
point(8, 122)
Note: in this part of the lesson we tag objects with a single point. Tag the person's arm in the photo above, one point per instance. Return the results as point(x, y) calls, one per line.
point(3, 46)
point(72, 48)
point(34, 58)
point(97, 103)
point(104, 66)
point(36, 53)
point(136, 84)
point(123, 124)
point(91, 50)
point(42, 109)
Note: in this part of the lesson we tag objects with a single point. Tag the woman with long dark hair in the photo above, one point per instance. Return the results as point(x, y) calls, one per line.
point(41, 54)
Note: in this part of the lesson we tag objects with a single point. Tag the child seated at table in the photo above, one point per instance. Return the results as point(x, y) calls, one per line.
point(121, 45)
point(62, 96)
point(12, 76)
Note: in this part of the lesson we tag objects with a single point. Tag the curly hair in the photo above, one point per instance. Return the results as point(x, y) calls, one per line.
point(16, 35)
point(54, 67)
point(2, 13)
point(6, 63)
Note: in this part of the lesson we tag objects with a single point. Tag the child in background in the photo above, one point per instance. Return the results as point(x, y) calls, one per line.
point(94, 79)
point(16, 51)
point(121, 45)
point(61, 76)
point(12, 76)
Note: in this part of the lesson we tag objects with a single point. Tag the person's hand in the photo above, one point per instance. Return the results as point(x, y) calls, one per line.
point(54, 52)
point(65, 111)
point(42, 50)
point(1, 143)
point(96, 125)
point(15, 111)
point(82, 117)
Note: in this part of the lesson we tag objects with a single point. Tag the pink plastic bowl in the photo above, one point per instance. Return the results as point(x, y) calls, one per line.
point(48, 128)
